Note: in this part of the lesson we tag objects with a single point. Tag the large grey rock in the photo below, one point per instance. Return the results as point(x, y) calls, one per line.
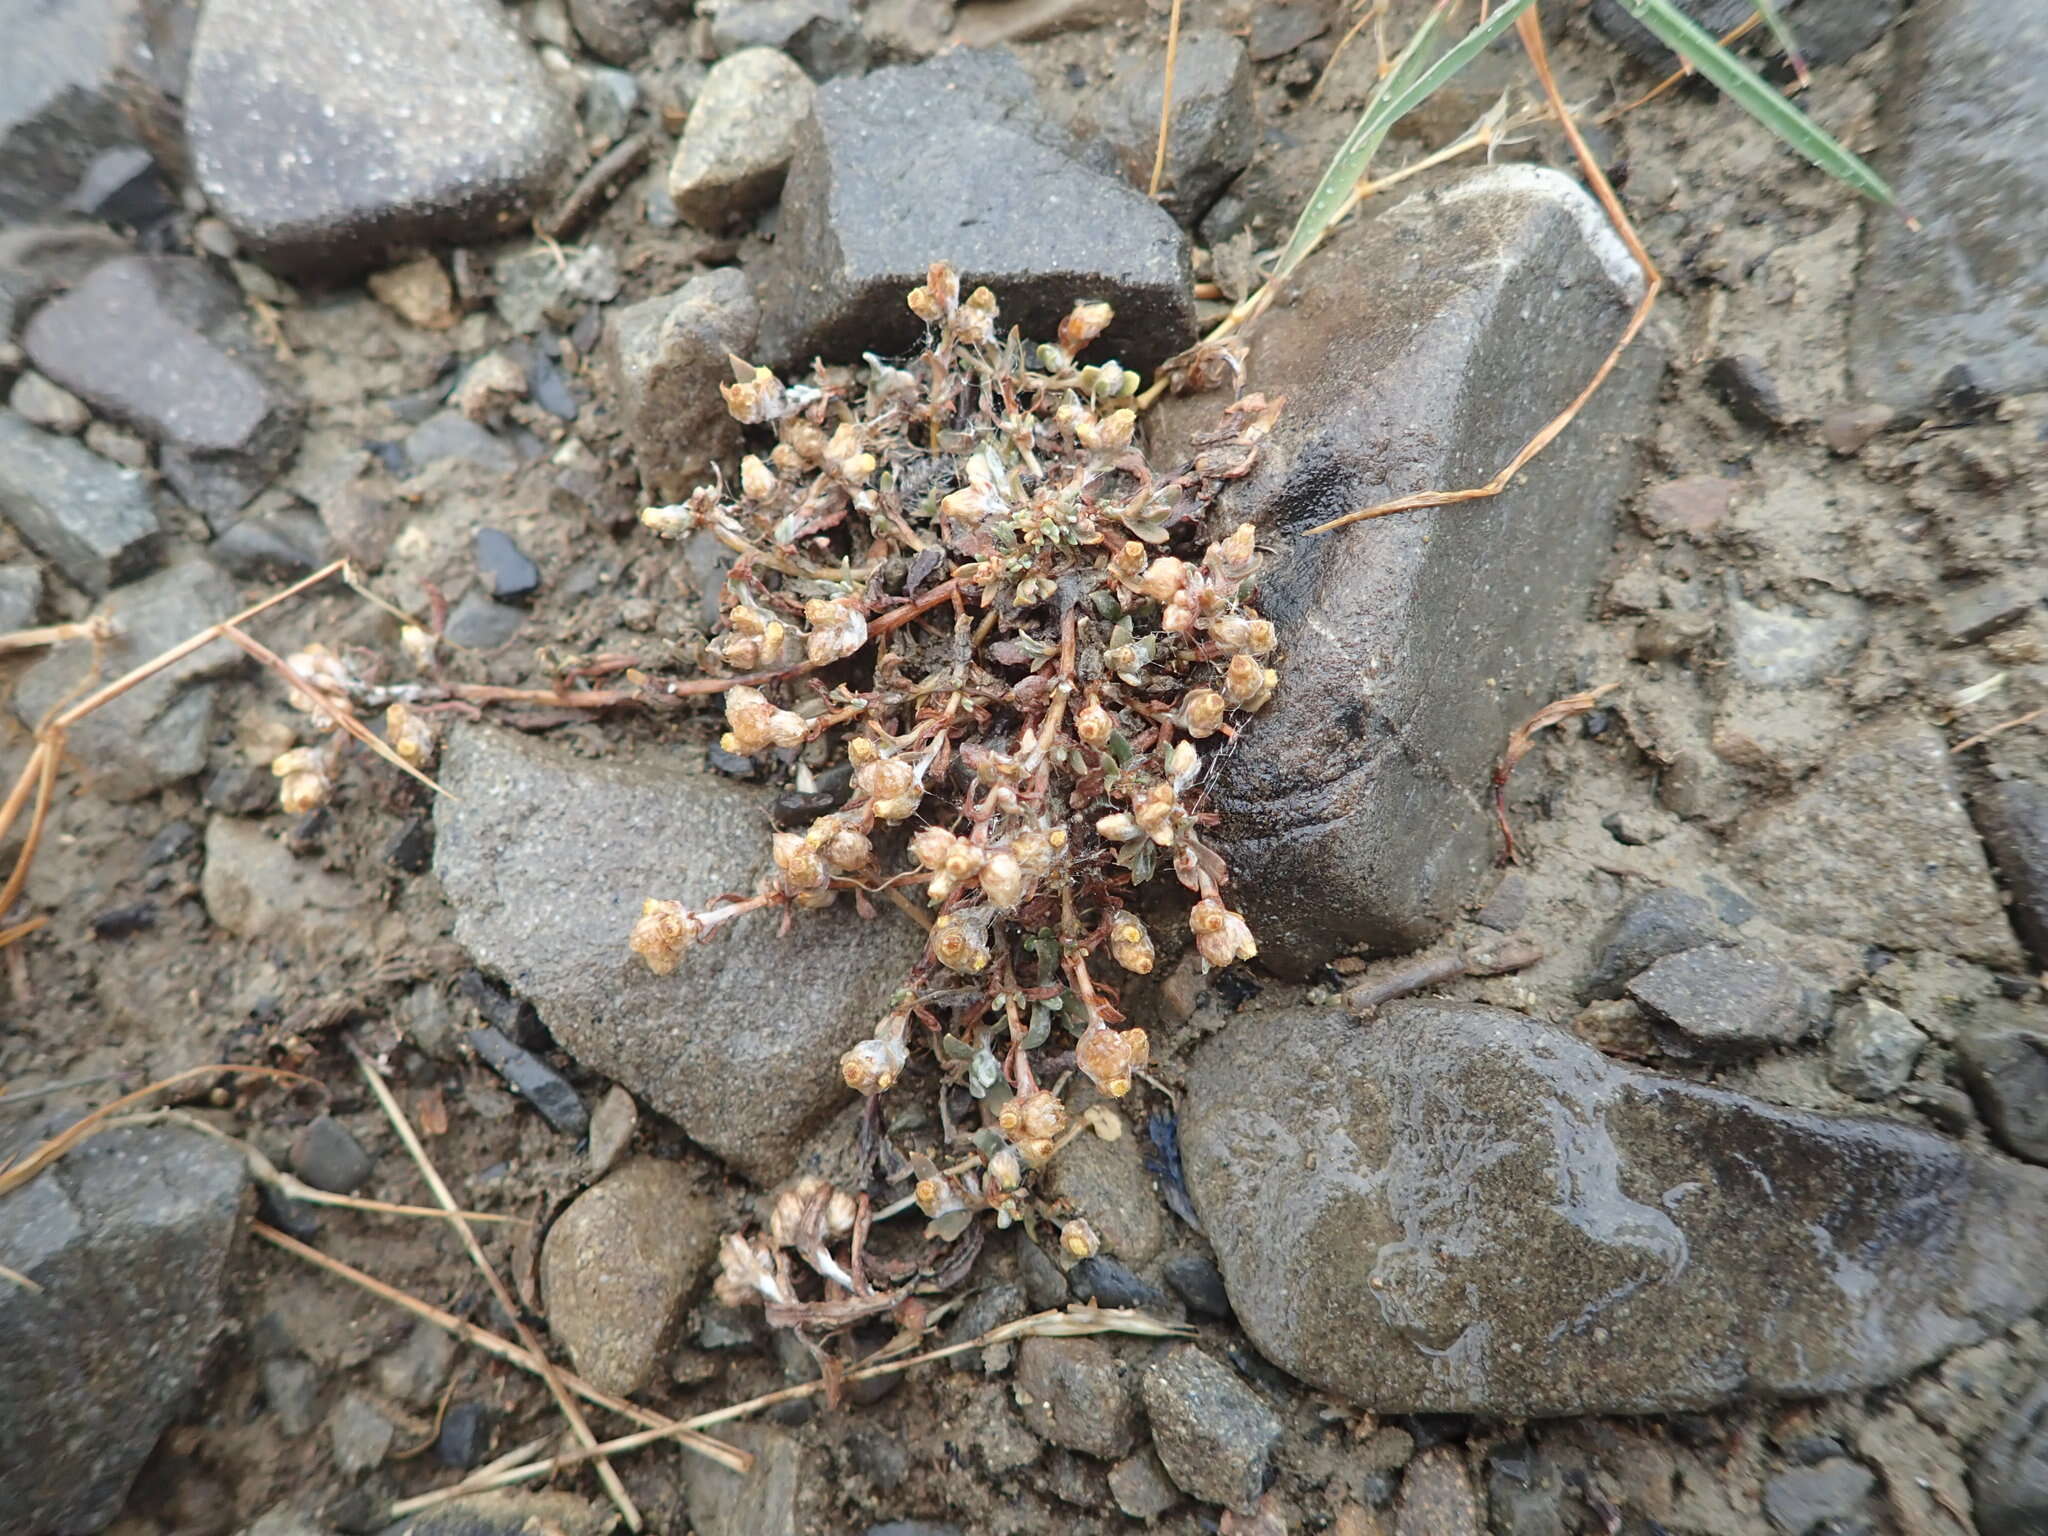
point(736, 147)
point(1464, 1210)
point(547, 901)
point(156, 733)
point(128, 1238)
point(666, 358)
point(93, 521)
point(952, 159)
point(161, 343)
point(1826, 30)
point(1419, 351)
point(331, 133)
point(618, 1265)
point(1877, 849)
point(59, 102)
point(1213, 130)
point(2013, 817)
point(2009, 1482)
point(1966, 288)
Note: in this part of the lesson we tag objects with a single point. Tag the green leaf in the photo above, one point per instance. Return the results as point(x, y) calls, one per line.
point(1041, 1027)
point(1775, 20)
point(1412, 82)
point(1698, 47)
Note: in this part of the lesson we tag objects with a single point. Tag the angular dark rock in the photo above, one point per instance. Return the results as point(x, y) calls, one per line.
point(59, 99)
point(1876, 848)
point(619, 1264)
point(1213, 130)
point(1198, 1283)
point(1076, 1393)
point(1826, 30)
point(512, 576)
point(1971, 613)
point(547, 902)
point(2009, 1481)
point(619, 31)
point(156, 733)
point(1744, 385)
point(666, 358)
point(124, 186)
point(1964, 288)
point(127, 1239)
point(532, 1079)
point(162, 344)
point(1102, 1281)
point(2006, 1068)
point(465, 1436)
point(450, 435)
point(2013, 816)
point(1724, 1000)
point(273, 547)
point(1873, 1049)
point(94, 522)
point(1418, 351)
point(953, 159)
point(1212, 1432)
point(824, 36)
point(1500, 1220)
point(326, 1154)
point(21, 594)
point(736, 147)
point(332, 133)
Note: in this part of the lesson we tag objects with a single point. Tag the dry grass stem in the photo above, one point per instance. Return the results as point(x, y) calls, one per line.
point(1683, 72)
point(1999, 729)
point(1074, 1322)
point(1531, 30)
point(628, 1510)
point(1524, 736)
point(1165, 99)
point(502, 1348)
point(95, 628)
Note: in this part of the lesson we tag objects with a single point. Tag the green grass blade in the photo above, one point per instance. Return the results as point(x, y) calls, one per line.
point(1699, 48)
point(1787, 44)
point(1413, 81)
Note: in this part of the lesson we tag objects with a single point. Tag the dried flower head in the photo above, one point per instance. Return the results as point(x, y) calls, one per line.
point(1079, 1239)
point(1032, 645)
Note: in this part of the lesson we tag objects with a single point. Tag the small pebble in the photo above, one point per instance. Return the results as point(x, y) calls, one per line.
point(611, 1130)
point(55, 409)
point(465, 1436)
point(1106, 1283)
point(540, 1084)
point(327, 1156)
point(512, 576)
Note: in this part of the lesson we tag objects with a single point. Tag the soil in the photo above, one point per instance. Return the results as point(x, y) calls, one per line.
point(1760, 252)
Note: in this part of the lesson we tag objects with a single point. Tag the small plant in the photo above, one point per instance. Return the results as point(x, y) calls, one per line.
point(1025, 756)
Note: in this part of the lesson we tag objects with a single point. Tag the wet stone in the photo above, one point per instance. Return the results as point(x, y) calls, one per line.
point(1825, 1495)
point(1199, 1284)
point(512, 576)
point(532, 1079)
point(127, 1238)
point(1656, 923)
point(330, 133)
point(1967, 286)
point(1213, 1434)
point(1873, 1049)
point(1075, 1393)
point(1213, 129)
point(327, 1156)
point(1354, 808)
point(156, 733)
point(1876, 848)
point(2014, 818)
point(742, 131)
point(1008, 203)
point(60, 102)
point(2009, 1481)
point(2006, 1069)
point(95, 523)
point(666, 358)
point(40, 260)
point(1426, 1262)
point(618, 1265)
point(547, 903)
point(1724, 1000)
point(211, 396)
point(823, 36)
